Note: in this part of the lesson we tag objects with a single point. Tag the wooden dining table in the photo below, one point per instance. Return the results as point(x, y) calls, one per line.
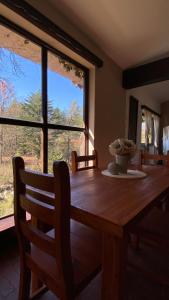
point(113, 206)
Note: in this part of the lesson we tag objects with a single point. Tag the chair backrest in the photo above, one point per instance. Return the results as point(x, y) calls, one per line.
point(76, 160)
point(145, 156)
point(46, 198)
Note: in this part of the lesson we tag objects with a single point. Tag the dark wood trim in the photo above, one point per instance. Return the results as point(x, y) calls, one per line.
point(38, 19)
point(45, 150)
point(86, 110)
point(133, 119)
point(11, 121)
point(146, 74)
point(44, 86)
point(8, 121)
point(150, 110)
point(62, 127)
point(44, 110)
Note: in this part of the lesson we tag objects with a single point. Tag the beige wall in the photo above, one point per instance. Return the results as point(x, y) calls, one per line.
point(109, 108)
point(107, 97)
point(165, 114)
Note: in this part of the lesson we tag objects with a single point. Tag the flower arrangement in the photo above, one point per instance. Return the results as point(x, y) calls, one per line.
point(122, 146)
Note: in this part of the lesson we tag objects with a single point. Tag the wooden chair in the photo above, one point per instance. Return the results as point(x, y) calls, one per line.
point(152, 227)
point(86, 158)
point(145, 156)
point(64, 259)
point(158, 158)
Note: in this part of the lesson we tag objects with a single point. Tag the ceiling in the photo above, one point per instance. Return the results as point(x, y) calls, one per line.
point(158, 92)
point(131, 32)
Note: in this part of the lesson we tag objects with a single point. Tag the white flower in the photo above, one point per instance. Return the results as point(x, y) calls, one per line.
point(122, 146)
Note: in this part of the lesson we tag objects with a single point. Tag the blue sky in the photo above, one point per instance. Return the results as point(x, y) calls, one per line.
point(27, 80)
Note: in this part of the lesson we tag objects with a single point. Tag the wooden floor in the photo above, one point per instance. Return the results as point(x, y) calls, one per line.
point(138, 288)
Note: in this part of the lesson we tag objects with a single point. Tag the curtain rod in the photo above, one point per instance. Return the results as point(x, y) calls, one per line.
point(150, 110)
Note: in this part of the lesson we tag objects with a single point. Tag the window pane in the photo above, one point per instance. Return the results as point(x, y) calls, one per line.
point(165, 140)
point(62, 143)
point(65, 92)
point(21, 141)
point(143, 134)
point(20, 77)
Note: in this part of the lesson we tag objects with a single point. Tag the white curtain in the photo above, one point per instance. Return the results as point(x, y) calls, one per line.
point(165, 140)
point(148, 125)
point(156, 131)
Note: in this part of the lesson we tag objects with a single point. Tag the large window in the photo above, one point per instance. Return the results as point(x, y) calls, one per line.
point(150, 136)
point(165, 140)
point(150, 129)
point(43, 111)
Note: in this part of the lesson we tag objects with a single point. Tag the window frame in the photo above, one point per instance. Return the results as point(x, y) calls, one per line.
point(44, 125)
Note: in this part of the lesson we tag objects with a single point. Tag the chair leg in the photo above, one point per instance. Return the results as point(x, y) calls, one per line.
point(67, 295)
point(136, 241)
point(24, 285)
point(68, 298)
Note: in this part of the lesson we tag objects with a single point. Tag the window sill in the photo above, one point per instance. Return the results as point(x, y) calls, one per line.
point(6, 223)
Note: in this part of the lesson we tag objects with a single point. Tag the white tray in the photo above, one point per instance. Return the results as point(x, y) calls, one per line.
point(131, 174)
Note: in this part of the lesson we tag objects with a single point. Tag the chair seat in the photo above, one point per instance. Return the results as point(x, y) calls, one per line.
point(155, 223)
point(86, 250)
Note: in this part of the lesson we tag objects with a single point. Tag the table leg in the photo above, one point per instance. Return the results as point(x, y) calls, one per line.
point(114, 267)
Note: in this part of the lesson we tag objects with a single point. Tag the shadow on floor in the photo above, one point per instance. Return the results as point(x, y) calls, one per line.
point(138, 287)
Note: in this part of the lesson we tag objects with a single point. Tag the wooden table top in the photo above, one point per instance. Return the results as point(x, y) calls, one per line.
point(112, 204)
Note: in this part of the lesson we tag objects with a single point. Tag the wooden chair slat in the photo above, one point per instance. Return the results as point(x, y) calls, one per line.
point(38, 209)
point(156, 157)
point(38, 238)
point(41, 195)
point(85, 168)
point(39, 181)
point(149, 226)
point(83, 158)
point(52, 284)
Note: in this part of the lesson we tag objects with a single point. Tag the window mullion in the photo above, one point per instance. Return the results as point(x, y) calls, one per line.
point(44, 141)
point(86, 110)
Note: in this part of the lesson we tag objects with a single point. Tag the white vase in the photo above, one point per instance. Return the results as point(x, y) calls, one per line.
point(122, 161)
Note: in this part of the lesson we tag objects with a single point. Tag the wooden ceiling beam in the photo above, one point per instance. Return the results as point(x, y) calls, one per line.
point(146, 74)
